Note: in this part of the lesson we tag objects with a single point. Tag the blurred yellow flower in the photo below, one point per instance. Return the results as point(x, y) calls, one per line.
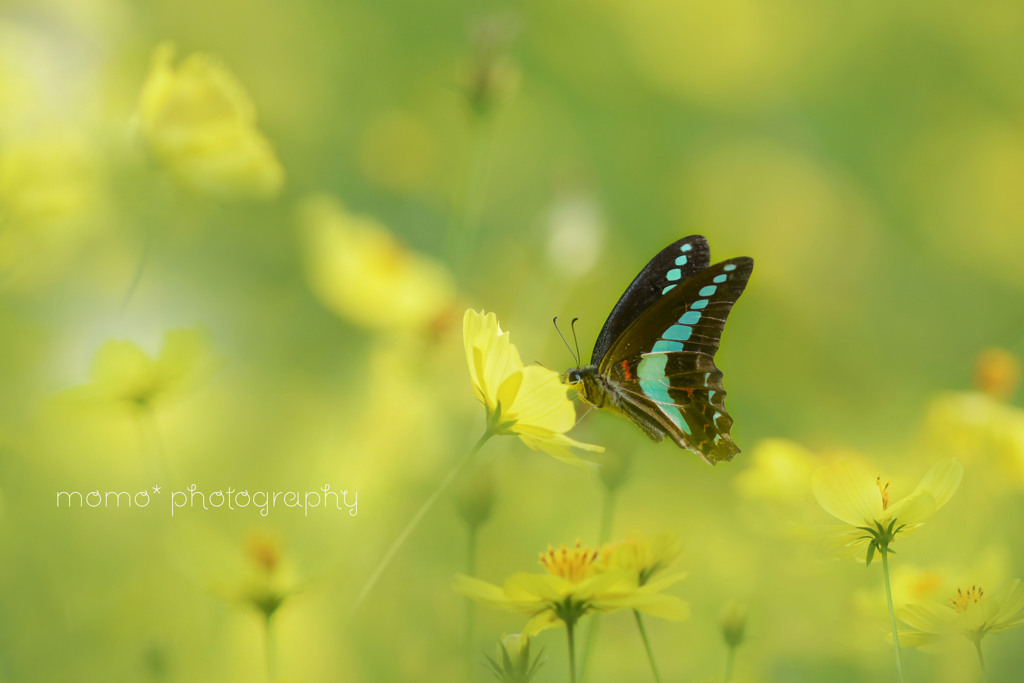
point(642, 557)
point(201, 123)
point(971, 613)
point(528, 402)
point(124, 373)
point(52, 199)
point(359, 270)
point(848, 492)
point(576, 584)
point(997, 373)
point(513, 663)
point(268, 586)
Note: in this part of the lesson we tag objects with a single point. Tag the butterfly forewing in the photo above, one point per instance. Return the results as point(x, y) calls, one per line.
point(674, 265)
point(688, 318)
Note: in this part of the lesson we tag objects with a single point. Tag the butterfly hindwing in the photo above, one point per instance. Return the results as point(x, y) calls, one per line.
point(683, 393)
point(673, 265)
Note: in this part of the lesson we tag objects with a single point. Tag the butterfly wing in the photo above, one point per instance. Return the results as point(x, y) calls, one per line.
point(679, 395)
point(662, 364)
point(675, 264)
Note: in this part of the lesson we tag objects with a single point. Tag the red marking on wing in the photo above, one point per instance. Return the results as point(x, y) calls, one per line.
point(625, 369)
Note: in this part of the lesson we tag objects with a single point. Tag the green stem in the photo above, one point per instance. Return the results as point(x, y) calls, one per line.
point(470, 571)
point(981, 660)
point(730, 660)
point(269, 650)
point(892, 614)
point(462, 227)
point(414, 522)
point(156, 454)
point(569, 629)
point(607, 515)
point(147, 248)
point(647, 645)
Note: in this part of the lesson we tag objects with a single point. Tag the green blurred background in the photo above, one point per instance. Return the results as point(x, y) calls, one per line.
point(529, 158)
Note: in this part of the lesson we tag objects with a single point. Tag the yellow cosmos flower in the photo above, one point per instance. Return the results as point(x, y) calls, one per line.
point(971, 613)
point(848, 492)
point(124, 373)
point(575, 584)
point(359, 270)
point(644, 558)
point(201, 123)
point(529, 402)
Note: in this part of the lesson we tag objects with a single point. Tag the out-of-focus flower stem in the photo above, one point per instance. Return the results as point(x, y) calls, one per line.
point(269, 649)
point(415, 521)
point(892, 613)
point(570, 630)
point(647, 645)
point(981, 660)
point(470, 620)
point(607, 516)
point(460, 242)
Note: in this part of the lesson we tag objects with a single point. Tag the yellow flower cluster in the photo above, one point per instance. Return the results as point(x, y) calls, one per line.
point(580, 580)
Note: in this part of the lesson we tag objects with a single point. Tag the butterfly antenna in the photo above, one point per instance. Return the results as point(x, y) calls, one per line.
point(575, 357)
point(579, 357)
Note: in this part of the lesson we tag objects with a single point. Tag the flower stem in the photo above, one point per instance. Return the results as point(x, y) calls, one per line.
point(470, 620)
point(269, 649)
point(461, 237)
point(570, 632)
point(607, 515)
point(730, 660)
point(892, 613)
point(647, 645)
point(147, 248)
point(981, 660)
point(414, 522)
point(156, 454)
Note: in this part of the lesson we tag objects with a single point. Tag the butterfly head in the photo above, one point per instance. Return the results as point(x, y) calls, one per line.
point(572, 376)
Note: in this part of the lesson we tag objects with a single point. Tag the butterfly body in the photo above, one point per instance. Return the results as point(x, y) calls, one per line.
point(653, 361)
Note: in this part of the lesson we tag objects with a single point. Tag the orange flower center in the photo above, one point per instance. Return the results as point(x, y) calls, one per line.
point(964, 598)
point(884, 490)
point(573, 564)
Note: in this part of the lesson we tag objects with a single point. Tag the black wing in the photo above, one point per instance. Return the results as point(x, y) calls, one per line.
point(664, 274)
point(679, 395)
point(689, 317)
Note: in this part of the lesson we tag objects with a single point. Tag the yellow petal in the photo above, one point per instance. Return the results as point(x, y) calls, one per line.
point(942, 481)
point(481, 591)
point(541, 400)
point(847, 492)
point(913, 510)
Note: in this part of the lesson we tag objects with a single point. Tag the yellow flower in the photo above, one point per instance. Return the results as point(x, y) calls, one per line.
point(359, 270)
point(997, 373)
point(848, 492)
point(529, 402)
point(124, 373)
point(575, 584)
point(971, 613)
point(201, 123)
point(642, 558)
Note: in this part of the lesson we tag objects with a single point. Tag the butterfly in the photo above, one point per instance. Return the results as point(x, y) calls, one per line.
point(654, 358)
